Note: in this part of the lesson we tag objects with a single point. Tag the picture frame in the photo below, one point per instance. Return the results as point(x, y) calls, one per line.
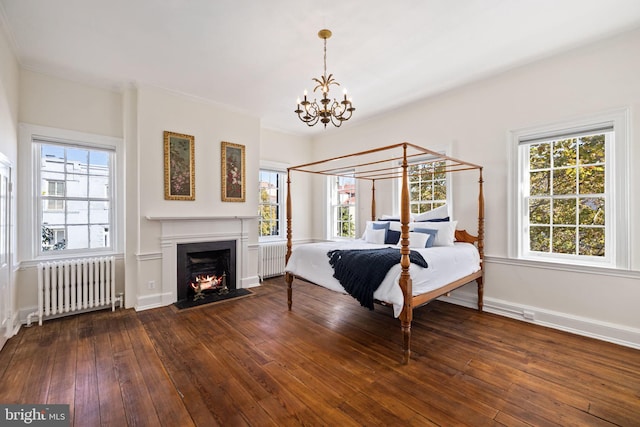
point(179, 166)
point(233, 172)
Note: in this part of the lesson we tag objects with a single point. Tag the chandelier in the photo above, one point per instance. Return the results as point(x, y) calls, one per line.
point(329, 110)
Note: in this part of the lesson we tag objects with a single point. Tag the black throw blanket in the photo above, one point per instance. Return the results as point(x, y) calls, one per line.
point(360, 271)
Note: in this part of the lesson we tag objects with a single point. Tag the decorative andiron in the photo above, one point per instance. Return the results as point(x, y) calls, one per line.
point(212, 283)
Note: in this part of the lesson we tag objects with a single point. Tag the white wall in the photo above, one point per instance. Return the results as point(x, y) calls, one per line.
point(475, 121)
point(55, 102)
point(70, 106)
point(157, 110)
point(140, 115)
point(9, 86)
point(292, 150)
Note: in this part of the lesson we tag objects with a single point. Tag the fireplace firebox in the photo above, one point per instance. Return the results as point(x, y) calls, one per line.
point(206, 271)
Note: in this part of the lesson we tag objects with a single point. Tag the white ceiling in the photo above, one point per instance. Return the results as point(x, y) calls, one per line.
point(257, 56)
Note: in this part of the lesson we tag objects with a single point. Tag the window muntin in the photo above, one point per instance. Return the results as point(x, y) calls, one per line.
point(271, 204)
point(74, 181)
point(427, 186)
point(343, 206)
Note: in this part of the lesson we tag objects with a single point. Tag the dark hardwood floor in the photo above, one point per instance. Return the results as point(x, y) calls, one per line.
point(328, 362)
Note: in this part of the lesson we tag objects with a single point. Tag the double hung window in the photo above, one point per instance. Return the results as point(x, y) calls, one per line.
point(271, 204)
point(571, 199)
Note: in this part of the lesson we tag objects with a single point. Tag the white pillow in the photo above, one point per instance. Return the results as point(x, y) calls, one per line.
point(446, 232)
point(369, 226)
point(417, 240)
point(395, 225)
point(437, 213)
point(375, 236)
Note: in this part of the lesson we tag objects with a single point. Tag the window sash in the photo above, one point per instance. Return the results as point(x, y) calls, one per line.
point(83, 199)
point(553, 230)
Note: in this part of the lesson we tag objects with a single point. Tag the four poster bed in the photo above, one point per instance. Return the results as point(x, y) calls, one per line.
point(433, 259)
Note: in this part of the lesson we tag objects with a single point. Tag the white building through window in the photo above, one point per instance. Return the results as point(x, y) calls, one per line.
point(76, 209)
point(55, 194)
point(571, 185)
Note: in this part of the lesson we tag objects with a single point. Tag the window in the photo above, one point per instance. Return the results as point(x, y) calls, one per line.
point(343, 206)
point(427, 186)
point(571, 197)
point(75, 198)
point(76, 183)
point(270, 206)
point(55, 194)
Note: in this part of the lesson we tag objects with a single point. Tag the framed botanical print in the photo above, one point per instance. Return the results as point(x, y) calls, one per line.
point(179, 167)
point(233, 172)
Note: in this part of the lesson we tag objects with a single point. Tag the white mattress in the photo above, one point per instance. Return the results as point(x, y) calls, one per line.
point(446, 264)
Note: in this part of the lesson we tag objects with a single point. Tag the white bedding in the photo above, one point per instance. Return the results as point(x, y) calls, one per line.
point(446, 264)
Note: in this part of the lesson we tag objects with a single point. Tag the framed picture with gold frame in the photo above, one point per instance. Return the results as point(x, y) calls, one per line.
point(233, 172)
point(179, 167)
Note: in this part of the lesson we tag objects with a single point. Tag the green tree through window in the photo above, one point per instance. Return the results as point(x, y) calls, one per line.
point(427, 186)
point(270, 203)
point(566, 201)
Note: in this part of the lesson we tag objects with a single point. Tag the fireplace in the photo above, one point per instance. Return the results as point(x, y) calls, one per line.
point(206, 272)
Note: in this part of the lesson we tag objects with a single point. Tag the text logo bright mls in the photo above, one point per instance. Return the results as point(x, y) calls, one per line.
point(34, 415)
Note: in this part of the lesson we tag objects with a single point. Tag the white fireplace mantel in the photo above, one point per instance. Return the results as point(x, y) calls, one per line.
point(191, 229)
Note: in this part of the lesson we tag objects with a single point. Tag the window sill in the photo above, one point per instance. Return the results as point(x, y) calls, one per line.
point(604, 271)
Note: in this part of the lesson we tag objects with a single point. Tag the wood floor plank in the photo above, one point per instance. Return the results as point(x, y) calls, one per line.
point(167, 335)
point(86, 406)
point(112, 412)
point(137, 400)
point(42, 364)
point(252, 362)
point(63, 379)
point(166, 399)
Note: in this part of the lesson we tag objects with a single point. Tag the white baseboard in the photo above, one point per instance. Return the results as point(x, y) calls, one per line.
point(148, 302)
point(617, 334)
point(23, 313)
point(250, 282)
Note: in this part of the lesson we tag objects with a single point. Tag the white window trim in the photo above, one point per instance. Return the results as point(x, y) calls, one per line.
point(280, 168)
point(29, 184)
point(618, 169)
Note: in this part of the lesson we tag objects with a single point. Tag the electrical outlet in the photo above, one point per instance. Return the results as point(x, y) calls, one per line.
point(151, 284)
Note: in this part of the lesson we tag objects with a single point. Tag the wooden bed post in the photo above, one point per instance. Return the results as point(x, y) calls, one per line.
point(373, 200)
point(288, 276)
point(480, 280)
point(405, 278)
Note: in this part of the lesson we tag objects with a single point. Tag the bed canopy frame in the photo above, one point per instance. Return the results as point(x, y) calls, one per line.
point(392, 162)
